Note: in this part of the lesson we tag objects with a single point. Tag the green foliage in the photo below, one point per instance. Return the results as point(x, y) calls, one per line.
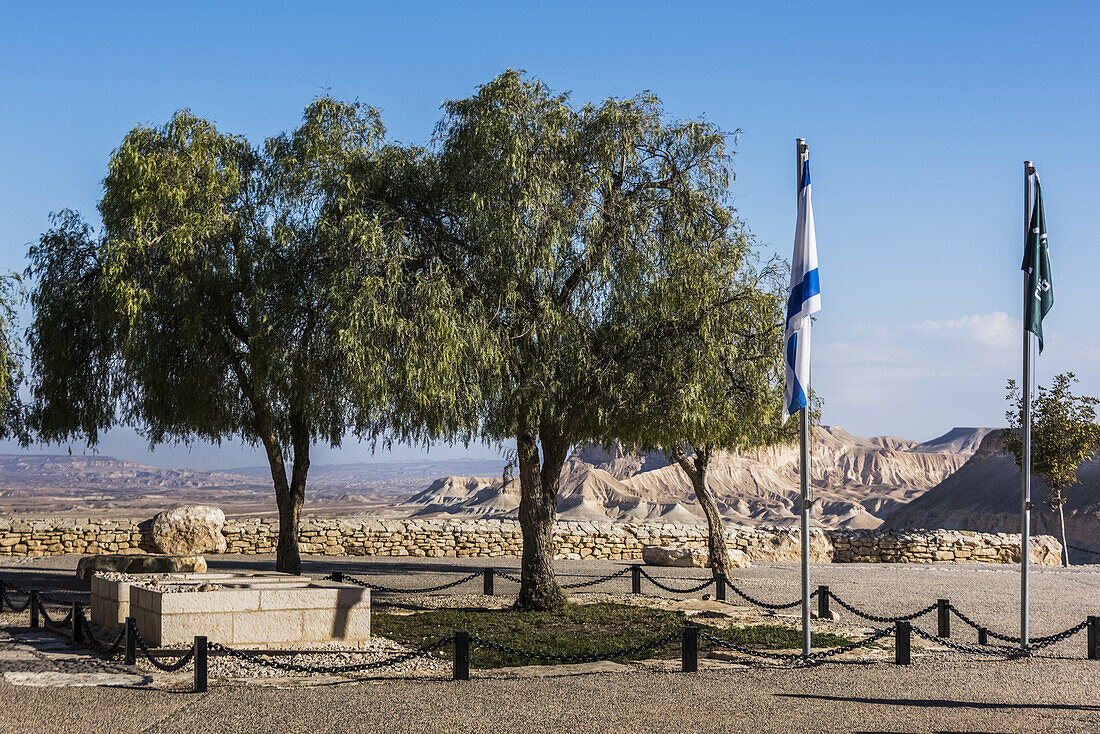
point(594, 247)
point(12, 411)
point(1064, 433)
point(217, 302)
point(586, 267)
point(576, 629)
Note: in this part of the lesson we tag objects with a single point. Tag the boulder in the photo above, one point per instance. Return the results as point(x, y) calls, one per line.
point(657, 555)
point(139, 563)
point(189, 530)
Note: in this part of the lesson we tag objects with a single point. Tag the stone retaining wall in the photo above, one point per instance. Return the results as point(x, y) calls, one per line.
point(494, 538)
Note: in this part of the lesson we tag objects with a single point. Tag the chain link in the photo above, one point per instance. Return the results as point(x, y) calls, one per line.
point(582, 584)
point(764, 604)
point(104, 649)
point(785, 656)
point(1040, 642)
point(673, 589)
point(1035, 643)
point(1001, 652)
point(391, 590)
point(58, 623)
point(577, 585)
point(26, 602)
point(996, 635)
point(1083, 550)
point(870, 639)
point(596, 657)
point(257, 659)
point(876, 618)
point(180, 664)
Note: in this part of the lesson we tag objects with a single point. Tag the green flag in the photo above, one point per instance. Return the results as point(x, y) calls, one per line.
point(1040, 293)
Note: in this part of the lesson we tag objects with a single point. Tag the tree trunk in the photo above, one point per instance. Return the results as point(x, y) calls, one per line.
point(1065, 546)
point(697, 468)
point(288, 559)
point(538, 506)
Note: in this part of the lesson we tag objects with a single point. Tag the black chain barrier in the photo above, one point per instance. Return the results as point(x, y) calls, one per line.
point(1040, 642)
point(55, 623)
point(868, 640)
point(673, 589)
point(764, 604)
point(16, 608)
point(105, 649)
point(330, 669)
point(1033, 643)
point(1000, 652)
point(392, 590)
point(593, 582)
point(576, 585)
point(1083, 550)
point(593, 658)
point(797, 656)
point(876, 618)
point(180, 664)
point(784, 656)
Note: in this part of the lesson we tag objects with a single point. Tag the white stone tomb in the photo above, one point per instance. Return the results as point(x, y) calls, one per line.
point(257, 611)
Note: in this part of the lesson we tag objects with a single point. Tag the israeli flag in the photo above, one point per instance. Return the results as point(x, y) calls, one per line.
point(804, 299)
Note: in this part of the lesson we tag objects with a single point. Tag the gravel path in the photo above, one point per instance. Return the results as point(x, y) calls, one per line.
point(942, 691)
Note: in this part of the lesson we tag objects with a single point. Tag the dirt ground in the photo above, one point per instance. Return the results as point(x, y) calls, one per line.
point(943, 690)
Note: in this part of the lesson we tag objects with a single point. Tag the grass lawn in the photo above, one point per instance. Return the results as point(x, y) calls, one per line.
point(579, 629)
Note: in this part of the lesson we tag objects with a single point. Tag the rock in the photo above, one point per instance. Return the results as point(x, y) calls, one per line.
point(658, 555)
point(832, 616)
point(189, 530)
point(133, 563)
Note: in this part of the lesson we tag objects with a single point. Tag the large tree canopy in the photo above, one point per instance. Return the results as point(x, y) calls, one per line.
point(594, 248)
point(219, 299)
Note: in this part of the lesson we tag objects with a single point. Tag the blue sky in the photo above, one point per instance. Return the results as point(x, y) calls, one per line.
point(919, 116)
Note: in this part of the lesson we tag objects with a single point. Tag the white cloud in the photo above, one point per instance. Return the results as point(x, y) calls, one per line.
point(920, 379)
point(995, 329)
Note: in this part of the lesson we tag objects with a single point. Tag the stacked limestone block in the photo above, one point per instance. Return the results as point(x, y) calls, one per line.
point(466, 538)
point(55, 537)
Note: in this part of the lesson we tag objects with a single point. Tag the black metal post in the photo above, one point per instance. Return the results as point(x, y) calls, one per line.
point(337, 576)
point(200, 664)
point(131, 642)
point(34, 610)
point(462, 655)
point(983, 636)
point(902, 642)
point(635, 579)
point(1094, 638)
point(487, 582)
point(943, 617)
point(823, 603)
point(78, 623)
point(720, 587)
point(689, 649)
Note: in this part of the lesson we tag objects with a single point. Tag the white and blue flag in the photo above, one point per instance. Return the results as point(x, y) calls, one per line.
point(803, 300)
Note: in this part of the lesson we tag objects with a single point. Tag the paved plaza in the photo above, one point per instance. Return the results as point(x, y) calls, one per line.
point(47, 685)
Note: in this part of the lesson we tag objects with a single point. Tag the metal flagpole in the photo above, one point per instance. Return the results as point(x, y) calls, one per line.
point(802, 155)
point(1025, 504)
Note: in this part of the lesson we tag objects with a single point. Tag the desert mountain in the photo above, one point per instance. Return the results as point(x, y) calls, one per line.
point(856, 480)
point(102, 486)
point(985, 495)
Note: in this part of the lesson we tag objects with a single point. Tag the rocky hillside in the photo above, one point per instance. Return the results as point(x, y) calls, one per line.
point(984, 495)
point(857, 480)
point(102, 486)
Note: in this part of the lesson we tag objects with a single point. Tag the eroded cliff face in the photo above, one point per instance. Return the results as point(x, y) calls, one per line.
point(984, 495)
point(857, 481)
